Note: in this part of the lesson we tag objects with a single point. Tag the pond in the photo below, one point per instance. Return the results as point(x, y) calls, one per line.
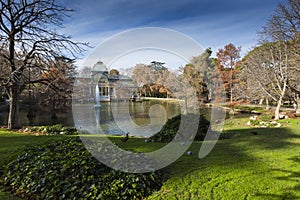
point(112, 117)
point(116, 118)
point(41, 118)
point(107, 114)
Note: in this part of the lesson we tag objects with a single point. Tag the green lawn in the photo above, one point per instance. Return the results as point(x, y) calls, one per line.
point(247, 166)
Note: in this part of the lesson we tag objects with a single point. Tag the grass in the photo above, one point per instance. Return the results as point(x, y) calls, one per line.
point(250, 108)
point(247, 166)
point(263, 166)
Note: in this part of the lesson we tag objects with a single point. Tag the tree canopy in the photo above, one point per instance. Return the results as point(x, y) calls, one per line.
point(30, 44)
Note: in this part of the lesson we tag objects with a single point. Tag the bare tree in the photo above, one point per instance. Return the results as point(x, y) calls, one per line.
point(283, 28)
point(269, 67)
point(151, 79)
point(247, 88)
point(29, 41)
point(284, 23)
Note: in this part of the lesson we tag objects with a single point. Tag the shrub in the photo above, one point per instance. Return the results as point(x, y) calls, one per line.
point(169, 130)
point(266, 117)
point(255, 122)
point(55, 130)
point(66, 170)
point(249, 108)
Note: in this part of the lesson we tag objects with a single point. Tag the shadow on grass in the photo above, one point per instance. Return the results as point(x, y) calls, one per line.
point(279, 145)
point(285, 195)
point(244, 141)
point(295, 176)
point(246, 162)
point(244, 165)
point(268, 138)
point(292, 176)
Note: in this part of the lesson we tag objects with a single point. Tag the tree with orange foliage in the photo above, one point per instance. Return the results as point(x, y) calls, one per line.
point(56, 87)
point(227, 61)
point(114, 72)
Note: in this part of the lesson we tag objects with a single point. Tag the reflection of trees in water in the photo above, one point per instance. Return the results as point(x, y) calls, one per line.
point(138, 112)
point(41, 118)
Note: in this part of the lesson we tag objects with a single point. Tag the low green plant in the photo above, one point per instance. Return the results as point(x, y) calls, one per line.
point(246, 108)
point(249, 108)
point(255, 122)
point(229, 123)
point(247, 166)
point(266, 117)
point(66, 170)
point(55, 130)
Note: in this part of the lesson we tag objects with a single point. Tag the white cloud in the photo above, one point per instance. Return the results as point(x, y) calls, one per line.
point(144, 45)
point(214, 27)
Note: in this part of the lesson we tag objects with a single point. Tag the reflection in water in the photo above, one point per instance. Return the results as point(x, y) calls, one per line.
point(40, 119)
point(138, 112)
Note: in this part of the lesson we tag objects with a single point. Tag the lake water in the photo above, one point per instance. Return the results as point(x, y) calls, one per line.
point(112, 117)
point(41, 118)
point(108, 112)
point(119, 117)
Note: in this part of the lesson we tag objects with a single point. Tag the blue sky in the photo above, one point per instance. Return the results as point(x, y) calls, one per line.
point(211, 23)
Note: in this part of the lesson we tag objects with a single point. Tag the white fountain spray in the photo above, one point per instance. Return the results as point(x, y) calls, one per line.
point(97, 105)
point(97, 96)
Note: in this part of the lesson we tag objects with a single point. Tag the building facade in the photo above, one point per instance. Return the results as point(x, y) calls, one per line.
point(99, 85)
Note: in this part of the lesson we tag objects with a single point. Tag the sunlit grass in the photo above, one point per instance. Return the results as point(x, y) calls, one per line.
point(246, 166)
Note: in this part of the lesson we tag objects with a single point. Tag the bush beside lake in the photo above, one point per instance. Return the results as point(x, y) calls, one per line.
point(246, 166)
point(170, 129)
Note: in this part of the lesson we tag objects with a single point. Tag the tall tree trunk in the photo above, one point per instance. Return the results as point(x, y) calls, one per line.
point(14, 117)
point(231, 92)
point(14, 92)
point(279, 102)
point(210, 94)
point(231, 111)
point(277, 110)
point(297, 104)
point(267, 104)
